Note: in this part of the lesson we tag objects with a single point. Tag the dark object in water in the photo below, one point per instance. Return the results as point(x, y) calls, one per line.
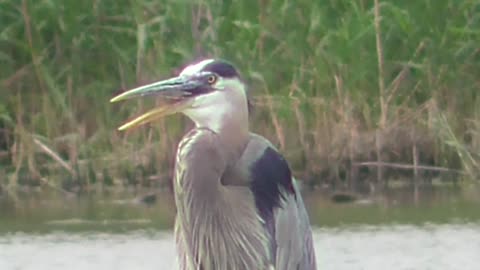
point(343, 197)
point(148, 199)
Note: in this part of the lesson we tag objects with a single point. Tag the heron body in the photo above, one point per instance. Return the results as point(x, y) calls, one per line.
point(238, 206)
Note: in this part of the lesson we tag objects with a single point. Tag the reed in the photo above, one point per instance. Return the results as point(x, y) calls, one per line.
point(344, 88)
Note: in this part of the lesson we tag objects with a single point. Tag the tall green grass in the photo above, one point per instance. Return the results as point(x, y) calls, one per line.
point(312, 67)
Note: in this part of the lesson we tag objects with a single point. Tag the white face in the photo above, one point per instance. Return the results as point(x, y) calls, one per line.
point(195, 68)
point(212, 110)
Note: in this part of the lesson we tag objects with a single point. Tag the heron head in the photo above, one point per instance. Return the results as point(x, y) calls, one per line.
point(203, 91)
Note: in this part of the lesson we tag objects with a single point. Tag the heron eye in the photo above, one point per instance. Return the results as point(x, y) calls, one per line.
point(211, 79)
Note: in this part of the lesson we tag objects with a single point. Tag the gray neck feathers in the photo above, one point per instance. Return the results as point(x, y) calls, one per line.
point(225, 235)
point(217, 226)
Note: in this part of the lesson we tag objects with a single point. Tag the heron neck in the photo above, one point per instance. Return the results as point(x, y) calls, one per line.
point(234, 138)
point(230, 124)
point(233, 134)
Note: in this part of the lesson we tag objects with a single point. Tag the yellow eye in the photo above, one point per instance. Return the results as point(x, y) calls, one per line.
point(211, 79)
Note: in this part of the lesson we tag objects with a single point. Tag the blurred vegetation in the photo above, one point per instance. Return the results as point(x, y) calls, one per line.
point(340, 95)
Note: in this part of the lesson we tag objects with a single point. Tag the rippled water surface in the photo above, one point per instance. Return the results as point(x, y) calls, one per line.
point(436, 229)
point(448, 246)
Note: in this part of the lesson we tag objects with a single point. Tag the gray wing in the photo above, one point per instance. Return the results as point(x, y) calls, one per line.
point(280, 205)
point(293, 235)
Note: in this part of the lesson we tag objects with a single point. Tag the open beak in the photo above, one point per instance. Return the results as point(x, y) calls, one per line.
point(177, 93)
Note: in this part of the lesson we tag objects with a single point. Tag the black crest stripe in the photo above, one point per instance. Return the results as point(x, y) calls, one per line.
point(222, 68)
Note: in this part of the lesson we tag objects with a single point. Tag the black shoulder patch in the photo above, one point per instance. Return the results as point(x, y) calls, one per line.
point(271, 175)
point(222, 68)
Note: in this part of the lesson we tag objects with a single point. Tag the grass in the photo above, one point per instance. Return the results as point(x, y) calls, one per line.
point(335, 83)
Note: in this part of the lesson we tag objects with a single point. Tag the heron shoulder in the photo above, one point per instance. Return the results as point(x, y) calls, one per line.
point(271, 178)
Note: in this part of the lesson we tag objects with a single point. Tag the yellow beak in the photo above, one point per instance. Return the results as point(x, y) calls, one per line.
point(176, 91)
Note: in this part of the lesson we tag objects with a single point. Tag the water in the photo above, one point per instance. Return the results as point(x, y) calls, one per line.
point(436, 229)
point(448, 246)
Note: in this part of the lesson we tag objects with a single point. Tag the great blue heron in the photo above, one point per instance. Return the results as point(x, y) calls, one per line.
point(238, 206)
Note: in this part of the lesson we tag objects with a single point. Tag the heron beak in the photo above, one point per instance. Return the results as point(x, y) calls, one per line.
point(176, 93)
